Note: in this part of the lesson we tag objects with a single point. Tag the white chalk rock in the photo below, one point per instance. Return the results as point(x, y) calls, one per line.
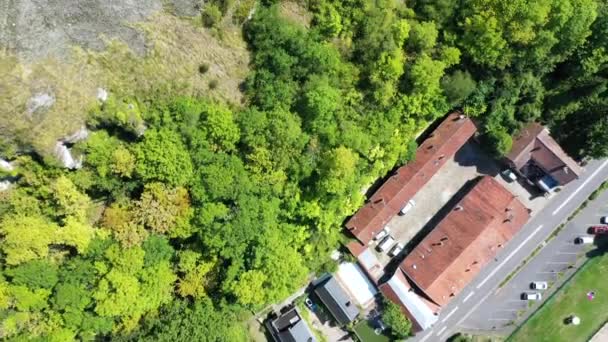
point(40, 101)
point(6, 166)
point(64, 155)
point(5, 185)
point(102, 94)
point(77, 136)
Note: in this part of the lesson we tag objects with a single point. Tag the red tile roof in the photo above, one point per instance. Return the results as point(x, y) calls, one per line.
point(385, 203)
point(467, 239)
point(535, 143)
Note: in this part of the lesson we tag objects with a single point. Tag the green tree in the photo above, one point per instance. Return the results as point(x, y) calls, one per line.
point(458, 86)
point(196, 274)
point(338, 171)
point(249, 289)
point(162, 156)
point(423, 36)
point(164, 210)
point(69, 201)
point(211, 15)
point(394, 318)
point(197, 321)
point(34, 274)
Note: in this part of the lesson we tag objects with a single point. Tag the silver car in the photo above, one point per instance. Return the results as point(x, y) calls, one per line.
point(539, 285)
point(531, 296)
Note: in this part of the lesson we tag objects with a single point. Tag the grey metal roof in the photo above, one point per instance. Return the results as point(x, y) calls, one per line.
point(290, 327)
point(337, 301)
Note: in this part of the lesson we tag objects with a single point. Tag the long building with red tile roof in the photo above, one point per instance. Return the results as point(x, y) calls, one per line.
point(465, 240)
point(390, 198)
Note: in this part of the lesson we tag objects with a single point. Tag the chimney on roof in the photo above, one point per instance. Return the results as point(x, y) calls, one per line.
point(461, 117)
point(566, 169)
point(414, 266)
point(458, 208)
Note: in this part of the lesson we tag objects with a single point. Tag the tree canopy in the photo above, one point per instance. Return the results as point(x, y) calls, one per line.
point(190, 213)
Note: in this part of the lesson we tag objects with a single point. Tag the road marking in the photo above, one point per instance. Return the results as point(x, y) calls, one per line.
point(567, 253)
point(426, 337)
point(468, 296)
point(510, 256)
point(580, 187)
point(450, 314)
point(473, 309)
point(440, 331)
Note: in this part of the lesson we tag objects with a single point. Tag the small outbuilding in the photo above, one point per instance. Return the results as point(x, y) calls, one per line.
point(538, 157)
point(290, 327)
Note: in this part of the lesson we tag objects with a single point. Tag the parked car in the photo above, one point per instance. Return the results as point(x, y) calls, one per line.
point(539, 285)
point(382, 234)
point(531, 296)
point(604, 220)
point(380, 327)
point(509, 175)
point(408, 206)
point(598, 230)
point(396, 249)
point(583, 240)
point(385, 244)
point(310, 304)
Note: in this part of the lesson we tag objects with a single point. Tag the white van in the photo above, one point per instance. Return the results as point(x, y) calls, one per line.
point(531, 296)
point(386, 244)
point(583, 240)
point(384, 232)
point(408, 206)
point(396, 250)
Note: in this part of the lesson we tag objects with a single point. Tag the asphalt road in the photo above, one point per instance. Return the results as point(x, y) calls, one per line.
point(504, 310)
point(477, 301)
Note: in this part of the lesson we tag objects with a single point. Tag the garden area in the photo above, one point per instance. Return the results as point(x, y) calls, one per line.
point(585, 295)
point(365, 332)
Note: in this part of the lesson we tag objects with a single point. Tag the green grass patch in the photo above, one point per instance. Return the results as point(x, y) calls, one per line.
point(366, 333)
point(547, 324)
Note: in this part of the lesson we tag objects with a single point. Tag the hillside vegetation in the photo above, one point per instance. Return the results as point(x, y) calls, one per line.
point(223, 206)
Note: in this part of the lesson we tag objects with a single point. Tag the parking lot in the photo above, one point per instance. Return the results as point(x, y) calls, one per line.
point(557, 259)
point(444, 190)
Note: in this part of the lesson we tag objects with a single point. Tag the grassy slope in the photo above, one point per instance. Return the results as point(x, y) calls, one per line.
point(177, 47)
point(547, 323)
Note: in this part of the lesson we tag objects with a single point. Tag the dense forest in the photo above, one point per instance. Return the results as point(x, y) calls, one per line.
point(180, 233)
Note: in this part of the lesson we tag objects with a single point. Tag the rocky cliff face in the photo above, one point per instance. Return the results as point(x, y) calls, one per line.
point(34, 29)
point(46, 90)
